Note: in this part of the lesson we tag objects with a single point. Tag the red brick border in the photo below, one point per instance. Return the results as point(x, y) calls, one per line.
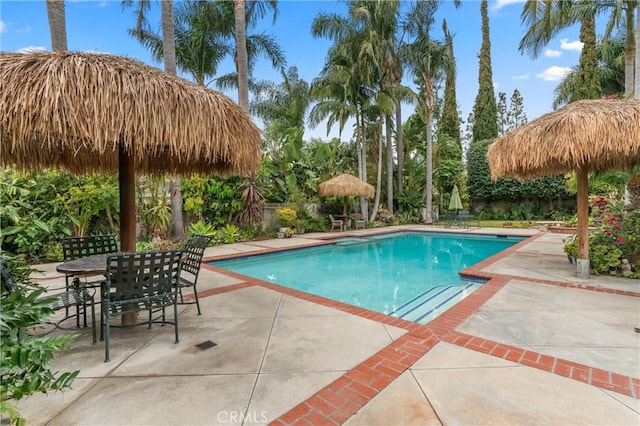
point(594, 376)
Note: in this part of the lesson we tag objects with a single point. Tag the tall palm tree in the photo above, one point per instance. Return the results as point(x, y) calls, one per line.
point(379, 22)
point(57, 25)
point(426, 59)
point(283, 107)
point(343, 89)
point(201, 35)
point(241, 54)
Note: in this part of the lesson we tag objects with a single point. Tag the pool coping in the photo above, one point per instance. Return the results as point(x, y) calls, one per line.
point(342, 398)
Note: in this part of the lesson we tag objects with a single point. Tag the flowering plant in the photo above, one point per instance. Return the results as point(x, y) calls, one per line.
point(618, 238)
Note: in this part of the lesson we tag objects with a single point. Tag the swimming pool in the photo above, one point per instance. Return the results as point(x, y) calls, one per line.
point(410, 275)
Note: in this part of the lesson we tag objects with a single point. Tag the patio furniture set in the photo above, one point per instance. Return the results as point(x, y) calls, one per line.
point(132, 282)
point(459, 220)
point(344, 222)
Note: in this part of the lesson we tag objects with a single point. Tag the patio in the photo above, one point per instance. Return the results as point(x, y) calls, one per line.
point(533, 345)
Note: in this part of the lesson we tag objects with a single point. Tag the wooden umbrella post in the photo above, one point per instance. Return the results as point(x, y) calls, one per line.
point(126, 179)
point(582, 263)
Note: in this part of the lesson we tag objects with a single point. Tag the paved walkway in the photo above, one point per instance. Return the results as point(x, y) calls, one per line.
point(534, 345)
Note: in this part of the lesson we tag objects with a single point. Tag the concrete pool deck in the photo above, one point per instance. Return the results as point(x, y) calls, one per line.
point(534, 345)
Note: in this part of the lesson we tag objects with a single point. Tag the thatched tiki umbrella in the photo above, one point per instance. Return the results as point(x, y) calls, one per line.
point(93, 112)
point(346, 185)
point(584, 136)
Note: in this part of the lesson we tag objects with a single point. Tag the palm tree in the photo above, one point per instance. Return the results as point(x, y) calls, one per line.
point(241, 54)
point(201, 39)
point(57, 25)
point(426, 59)
point(343, 90)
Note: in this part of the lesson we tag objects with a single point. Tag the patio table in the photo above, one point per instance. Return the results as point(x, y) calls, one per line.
point(89, 266)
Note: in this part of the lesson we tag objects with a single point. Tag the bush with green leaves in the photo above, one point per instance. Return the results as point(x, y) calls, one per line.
point(229, 234)
point(203, 228)
point(215, 200)
point(482, 188)
point(37, 209)
point(25, 360)
point(286, 216)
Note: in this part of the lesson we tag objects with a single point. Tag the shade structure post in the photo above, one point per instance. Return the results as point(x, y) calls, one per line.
point(582, 263)
point(126, 179)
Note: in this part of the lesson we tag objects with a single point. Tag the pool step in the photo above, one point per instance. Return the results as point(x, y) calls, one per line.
point(427, 305)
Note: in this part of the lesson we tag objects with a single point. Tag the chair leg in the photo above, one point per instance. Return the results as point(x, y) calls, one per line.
point(175, 319)
point(93, 319)
point(106, 343)
point(76, 286)
point(195, 292)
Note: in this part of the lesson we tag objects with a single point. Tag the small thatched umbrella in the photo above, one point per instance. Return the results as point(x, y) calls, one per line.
point(584, 136)
point(346, 185)
point(94, 112)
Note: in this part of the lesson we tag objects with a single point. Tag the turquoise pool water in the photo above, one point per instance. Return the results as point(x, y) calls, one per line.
point(410, 275)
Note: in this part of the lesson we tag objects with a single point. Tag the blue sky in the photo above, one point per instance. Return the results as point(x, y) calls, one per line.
point(102, 26)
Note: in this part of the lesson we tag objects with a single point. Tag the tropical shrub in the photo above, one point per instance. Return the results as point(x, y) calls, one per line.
point(215, 200)
point(229, 234)
point(37, 209)
point(286, 216)
point(203, 228)
point(24, 359)
point(384, 217)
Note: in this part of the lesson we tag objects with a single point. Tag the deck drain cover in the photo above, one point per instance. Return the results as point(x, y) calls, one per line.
point(207, 344)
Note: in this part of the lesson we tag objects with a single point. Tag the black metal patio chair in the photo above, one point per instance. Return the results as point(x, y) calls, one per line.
point(140, 281)
point(56, 299)
point(191, 263)
point(78, 247)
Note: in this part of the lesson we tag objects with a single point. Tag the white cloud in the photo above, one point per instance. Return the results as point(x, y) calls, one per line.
point(3, 27)
point(502, 3)
point(32, 49)
point(521, 76)
point(554, 73)
point(550, 53)
point(576, 45)
point(103, 4)
point(496, 85)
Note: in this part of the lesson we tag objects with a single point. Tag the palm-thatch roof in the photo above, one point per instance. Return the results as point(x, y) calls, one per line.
point(599, 134)
point(584, 136)
point(346, 185)
point(72, 110)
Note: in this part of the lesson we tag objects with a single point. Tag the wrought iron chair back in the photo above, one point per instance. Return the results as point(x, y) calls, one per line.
point(140, 281)
point(77, 247)
point(191, 262)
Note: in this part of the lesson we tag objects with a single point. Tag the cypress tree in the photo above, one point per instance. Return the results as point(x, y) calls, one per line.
point(588, 81)
point(484, 109)
point(450, 122)
point(501, 109)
